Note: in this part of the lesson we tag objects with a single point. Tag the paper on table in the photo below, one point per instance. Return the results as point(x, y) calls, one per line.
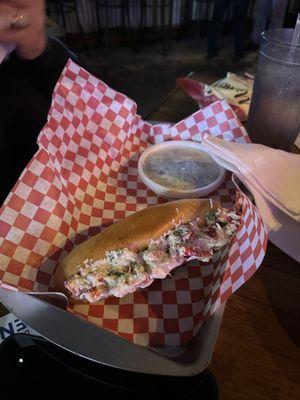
point(236, 90)
point(11, 325)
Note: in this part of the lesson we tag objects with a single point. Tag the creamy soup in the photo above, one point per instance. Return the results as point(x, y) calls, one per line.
point(181, 168)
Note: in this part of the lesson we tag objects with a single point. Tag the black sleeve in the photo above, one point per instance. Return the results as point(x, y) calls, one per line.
point(43, 72)
point(26, 92)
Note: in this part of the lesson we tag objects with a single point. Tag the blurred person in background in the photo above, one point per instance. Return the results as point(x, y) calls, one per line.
point(267, 14)
point(240, 9)
point(27, 78)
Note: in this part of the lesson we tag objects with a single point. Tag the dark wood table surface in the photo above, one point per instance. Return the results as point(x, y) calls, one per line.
point(257, 354)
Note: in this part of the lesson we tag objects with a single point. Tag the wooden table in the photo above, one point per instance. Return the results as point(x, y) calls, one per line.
point(257, 355)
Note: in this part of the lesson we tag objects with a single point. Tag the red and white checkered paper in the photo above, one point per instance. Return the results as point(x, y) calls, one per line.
point(197, 92)
point(84, 177)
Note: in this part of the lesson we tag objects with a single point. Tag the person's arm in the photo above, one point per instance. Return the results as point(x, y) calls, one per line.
point(36, 59)
point(43, 71)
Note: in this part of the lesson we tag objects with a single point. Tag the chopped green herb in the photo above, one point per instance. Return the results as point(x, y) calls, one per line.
point(133, 268)
point(222, 223)
point(118, 273)
point(211, 215)
point(113, 254)
point(133, 264)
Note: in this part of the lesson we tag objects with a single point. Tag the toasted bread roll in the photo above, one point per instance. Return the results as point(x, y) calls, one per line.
point(144, 236)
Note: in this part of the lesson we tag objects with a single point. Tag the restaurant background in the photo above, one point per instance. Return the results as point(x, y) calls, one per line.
point(128, 47)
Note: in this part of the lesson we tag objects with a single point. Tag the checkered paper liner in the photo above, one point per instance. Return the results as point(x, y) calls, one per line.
point(197, 91)
point(84, 176)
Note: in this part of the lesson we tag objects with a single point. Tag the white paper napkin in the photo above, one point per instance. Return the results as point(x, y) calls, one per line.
point(273, 177)
point(274, 173)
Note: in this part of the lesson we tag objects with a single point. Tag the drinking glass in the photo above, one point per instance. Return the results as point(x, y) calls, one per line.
point(274, 116)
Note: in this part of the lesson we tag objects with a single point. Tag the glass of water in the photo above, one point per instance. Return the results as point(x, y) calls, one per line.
point(274, 116)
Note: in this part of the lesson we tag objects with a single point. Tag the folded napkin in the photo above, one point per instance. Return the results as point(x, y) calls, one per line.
point(273, 178)
point(274, 173)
